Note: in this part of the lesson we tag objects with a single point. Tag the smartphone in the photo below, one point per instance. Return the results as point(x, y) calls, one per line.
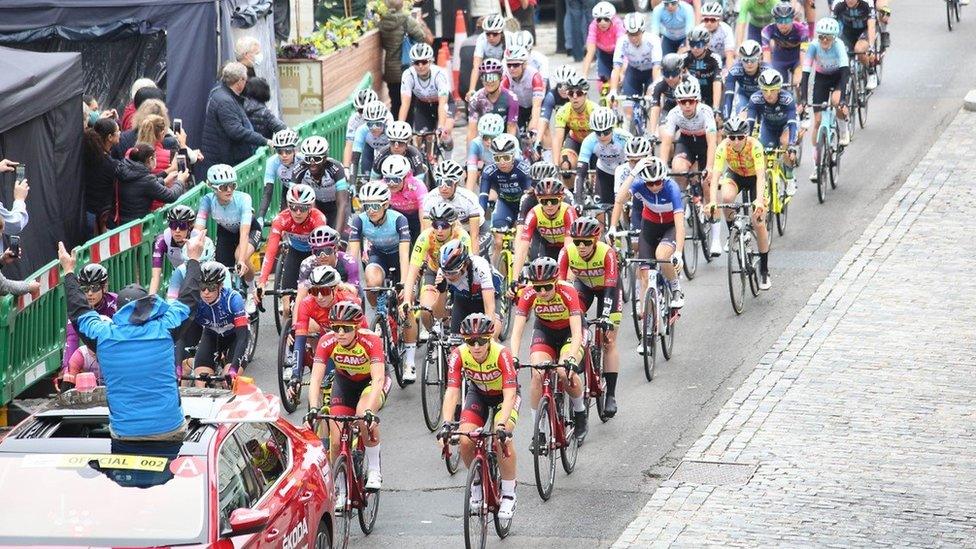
point(15, 245)
point(177, 125)
point(21, 171)
point(180, 163)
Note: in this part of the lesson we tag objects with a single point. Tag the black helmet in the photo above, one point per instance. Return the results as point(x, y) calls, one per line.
point(93, 274)
point(181, 212)
point(346, 312)
point(543, 269)
point(324, 276)
point(212, 272)
point(477, 324)
point(454, 255)
point(442, 211)
point(585, 227)
point(672, 64)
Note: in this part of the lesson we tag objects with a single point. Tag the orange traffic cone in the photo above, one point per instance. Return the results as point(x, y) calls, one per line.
point(460, 35)
point(443, 55)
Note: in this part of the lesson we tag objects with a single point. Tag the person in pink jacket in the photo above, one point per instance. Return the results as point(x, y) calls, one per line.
point(601, 39)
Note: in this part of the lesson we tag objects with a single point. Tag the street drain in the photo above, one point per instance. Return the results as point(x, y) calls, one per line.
point(714, 473)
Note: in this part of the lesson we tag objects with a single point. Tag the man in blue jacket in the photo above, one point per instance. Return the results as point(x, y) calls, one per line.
point(228, 135)
point(135, 350)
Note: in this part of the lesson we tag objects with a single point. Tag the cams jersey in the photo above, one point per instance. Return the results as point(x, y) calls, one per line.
point(608, 155)
point(744, 162)
point(385, 237)
point(510, 186)
point(333, 180)
point(826, 61)
point(597, 273)
point(165, 248)
point(309, 309)
point(297, 233)
point(553, 312)
point(352, 363)
point(642, 57)
point(785, 47)
point(577, 123)
point(528, 88)
point(230, 216)
point(552, 230)
point(506, 105)
point(430, 89)
point(427, 250)
point(661, 206)
point(480, 276)
point(701, 122)
point(224, 314)
point(490, 377)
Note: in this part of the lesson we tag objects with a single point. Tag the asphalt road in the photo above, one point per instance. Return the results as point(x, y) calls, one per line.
point(928, 71)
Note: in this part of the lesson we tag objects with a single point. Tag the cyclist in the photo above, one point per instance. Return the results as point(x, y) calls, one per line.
point(591, 266)
point(662, 234)
point(509, 179)
point(537, 172)
point(93, 281)
point(448, 174)
point(556, 96)
point(782, 42)
point(492, 99)
point(753, 16)
point(471, 280)
point(430, 85)
point(742, 79)
point(489, 44)
point(399, 134)
point(492, 379)
point(637, 149)
point(572, 123)
point(221, 314)
point(722, 37)
point(279, 167)
point(672, 20)
point(606, 143)
point(527, 85)
point(327, 178)
point(551, 218)
point(601, 40)
point(296, 224)
point(406, 192)
point(324, 242)
point(662, 95)
point(706, 66)
point(690, 127)
point(179, 273)
point(746, 172)
point(828, 57)
point(637, 60)
point(325, 289)
point(490, 126)
point(774, 110)
point(356, 119)
point(537, 60)
point(169, 245)
point(556, 335)
point(858, 28)
point(360, 386)
point(370, 138)
point(236, 237)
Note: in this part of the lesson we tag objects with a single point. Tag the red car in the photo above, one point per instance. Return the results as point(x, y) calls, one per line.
point(242, 477)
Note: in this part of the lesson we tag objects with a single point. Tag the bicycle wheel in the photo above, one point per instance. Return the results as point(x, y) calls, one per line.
point(475, 523)
point(596, 363)
point(862, 97)
point(783, 214)
point(253, 328)
point(278, 275)
point(371, 504)
point(432, 389)
point(833, 165)
point(949, 11)
point(823, 170)
point(736, 272)
point(452, 462)
point(772, 186)
point(286, 357)
point(689, 254)
point(393, 366)
point(502, 527)
point(634, 302)
point(343, 510)
point(624, 273)
point(667, 325)
point(956, 8)
point(752, 257)
point(648, 337)
point(504, 304)
point(544, 457)
point(568, 453)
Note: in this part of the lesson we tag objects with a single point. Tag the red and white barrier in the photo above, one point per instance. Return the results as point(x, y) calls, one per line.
point(117, 243)
point(47, 281)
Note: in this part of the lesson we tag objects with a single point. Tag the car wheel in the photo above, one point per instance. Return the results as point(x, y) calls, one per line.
point(323, 538)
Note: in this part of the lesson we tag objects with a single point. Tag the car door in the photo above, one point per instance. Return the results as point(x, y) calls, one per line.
point(236, 488)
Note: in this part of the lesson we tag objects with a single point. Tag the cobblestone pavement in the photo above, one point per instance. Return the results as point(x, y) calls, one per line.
point(859, 421)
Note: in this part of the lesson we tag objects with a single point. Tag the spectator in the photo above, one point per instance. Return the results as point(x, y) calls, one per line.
point(152, 130)
point(151, 107)
point(524, 12)
point(92, 114)
point(135, 350)
point(98, 170)
point(14, 287)
point(394, 24)
point(256, 94)
point(248, 53)
point(577, 21)
point(130, 109)
point(228, 136)
point(15, 219)
point(138, 187)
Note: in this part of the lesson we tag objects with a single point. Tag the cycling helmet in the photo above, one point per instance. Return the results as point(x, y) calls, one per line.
point(750, 50)
point(285, 139)
point(712, 9)
point(504, 144)
point(221, 174)
point(395, 167)
point(93, 274)
point(518, 54)
point(634, 22)
point(672, 64)
point(324, 276)
point(563, 73)
point(454, 255)
point(638, 147)
point(525, 39)
point(181, 212)
point(374, 191)
point(687, 89)
point(212, 272)
point(442, 211)
point(449, 170)
point(602, 119)
point(577, 82)
point(549, 187)
point(491, 125)
point(585, 227)
point(543, 170)
point(491, 66)
point(654, 169)
point(603, 10)
point(735, 126)
point(398, 131)
point(783, 10)
point(699, 34)
point(346, 312)
point(208, 253)
point(315, 146)
point(477, 324)
point(301, 194)
point(375, 111)
point(493, 23)
point(363, 97)
point(828, 26)
point(421, 52)
point(770, 79)
point(543, 269)
point(323, 236)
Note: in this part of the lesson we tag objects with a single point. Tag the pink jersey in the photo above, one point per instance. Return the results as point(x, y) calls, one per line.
point(408, 199)
point(605, 40)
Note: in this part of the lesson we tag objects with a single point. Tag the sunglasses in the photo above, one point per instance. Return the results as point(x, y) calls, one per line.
point(446, 183)
point(226, 187)
point(314, 159)
point(657, 183)
point(316, 291)
point(328, 251)
point(672, 74)
point(210, 287)
point(687, 101)
point(605, 133)
point(503, 157)
point(583, 241)
point(300, 208)
point(824, 37)
point(710, 19)
point(543, 287)
point(373, 206)
point(577, 93)
point(697, 44)
point(513, 65)
point(395, 143)
point(180, 225)
point(602, 19)
point(393, 180)
point(737, 137)
point(373, 124)
point(455, 273)
point(344, 328)
point(92, 289)
point(421, 62)
point(549, 201)
point(286, 150)
point(492, 33)
point(784, 21)
point(750, 60)
point(638, 33)
point(477, 341)
point(440, 224)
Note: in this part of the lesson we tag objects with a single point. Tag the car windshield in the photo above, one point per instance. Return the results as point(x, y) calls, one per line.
point(103, 499)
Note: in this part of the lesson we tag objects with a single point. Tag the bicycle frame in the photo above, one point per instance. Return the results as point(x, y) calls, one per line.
point(550, 386)
point(349, 437)
point(774, 170)
point(599, 329)
point(491, 489)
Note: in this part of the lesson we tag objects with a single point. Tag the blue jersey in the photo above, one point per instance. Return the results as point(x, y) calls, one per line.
point(661, 206)
point(608, 155)
point(224, 314)
point(385, 237)
point(276, 170)
point(826, 61)
point(478, 153)
point(509, 186)
point(776, 115)
point(230, 216)
point(675, 26)
point(365, 138)
point(738, 82)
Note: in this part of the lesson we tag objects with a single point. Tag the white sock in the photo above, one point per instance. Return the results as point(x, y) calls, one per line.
point(410, 353)
point(716, 232)
point(578, 405)
point(373, 457)
point(534, 413)
point(508, 487)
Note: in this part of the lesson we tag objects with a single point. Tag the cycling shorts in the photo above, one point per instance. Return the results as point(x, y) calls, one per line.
point(226, 244)
point(569, 144)
point(636, 82)
point(693, 149)
point(786, 70)
point(604, 188)
point(505, 214)
point(330, 210)
point(652, 235)
point(588, 295)
point(542, 247)
point(477, 405)
point(524, 116)
point(464, 306)
point(292, 265)
point(823, 84)
point(672, 46)
point(604, 64)
point(413, 222)
point(213, 345)
point(423, 115)
point(744, 183)
point(390, 263)
point(770, 135)
point(347, 393)
point(851, 37)
point(551, 341)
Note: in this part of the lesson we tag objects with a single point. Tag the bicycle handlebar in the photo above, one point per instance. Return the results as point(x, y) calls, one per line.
point(281, 293)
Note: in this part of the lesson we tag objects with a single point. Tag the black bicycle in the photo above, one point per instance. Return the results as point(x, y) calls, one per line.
point(697, 235)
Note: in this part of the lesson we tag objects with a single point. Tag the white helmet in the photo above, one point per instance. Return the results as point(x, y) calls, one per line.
point(399, 131)
point(221, 174)
point(712, 9)
point(603, 10)
point(284, 139)
point(374, 191)
point(493, 23)
point(301, 194)
point(634, 22)
point(770, 79)
point(654, 169)
point(395, 167)
point(750, 49)
point(491, 125)
point(563, 73)
point(602, 119)
point(504, 144)
point(638, 147)
point(517, 54)
point(315, 145)
point(828, 26)
point(364, 96)
point(375, 111)
point(449, 170)
point(421, 51)
point(687, 89)
point(525, 39)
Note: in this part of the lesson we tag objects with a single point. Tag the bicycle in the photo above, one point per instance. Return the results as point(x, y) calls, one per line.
point(286, 366)
point(277, 292)
point(253, 320)
point(482, 471)
point(594, 385)
point(506, 266)
point(429, 143)
point(210, 381)
point(390, 327)
point(554, 425)
point(433, 373)
point(859, 93)
point(952, 8)
point(743, 256)
point(348, 478)
point(638, 122)
point(779, 201)
point(658, 318)
point(827, 151)
point(693, 198)
point(620, 241)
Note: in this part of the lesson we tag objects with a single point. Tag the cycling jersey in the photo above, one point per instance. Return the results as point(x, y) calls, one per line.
point(484, 50)
point(332, 180)
point(739, 82)
point(723, 39)
point(418, 164)
point(464, 202)
point(509, 185)
point(659, 207)
point(757, 13)
point(407, 200)
point(642, 57)
point(605, 40)
point(674, 25)
point(480, 276)
point(597, 273)
point(608, 155)
point(702, 122)
point(505, 105)
point(309, 309)
point(784, 47)
point(385, 237)
point(553, 101)
point(554, 312)
point(706, 69)
point(528, 88)
point(353, 363)
point(230, 216)
point(297, 233)
point(345, 265)
point(176, 282)
point(165, 247)
point(577, 123)
point(552, 230)
point(540, 62)
point(826, 62)
point(853, 20)
point(427, 250)
point(366, 138)
point(777, 115)
point(745, 162)
point(355, 120)
point(276, 170)
point(479, 156)
point(436, 85)
point(490, 377)
point(663, 96)
point(224, 314)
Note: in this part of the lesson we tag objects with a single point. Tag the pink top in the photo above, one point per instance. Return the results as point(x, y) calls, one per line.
point(407, 200)
point(605, 40)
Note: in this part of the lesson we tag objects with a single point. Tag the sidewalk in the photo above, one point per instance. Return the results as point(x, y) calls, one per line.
point(858, 427)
